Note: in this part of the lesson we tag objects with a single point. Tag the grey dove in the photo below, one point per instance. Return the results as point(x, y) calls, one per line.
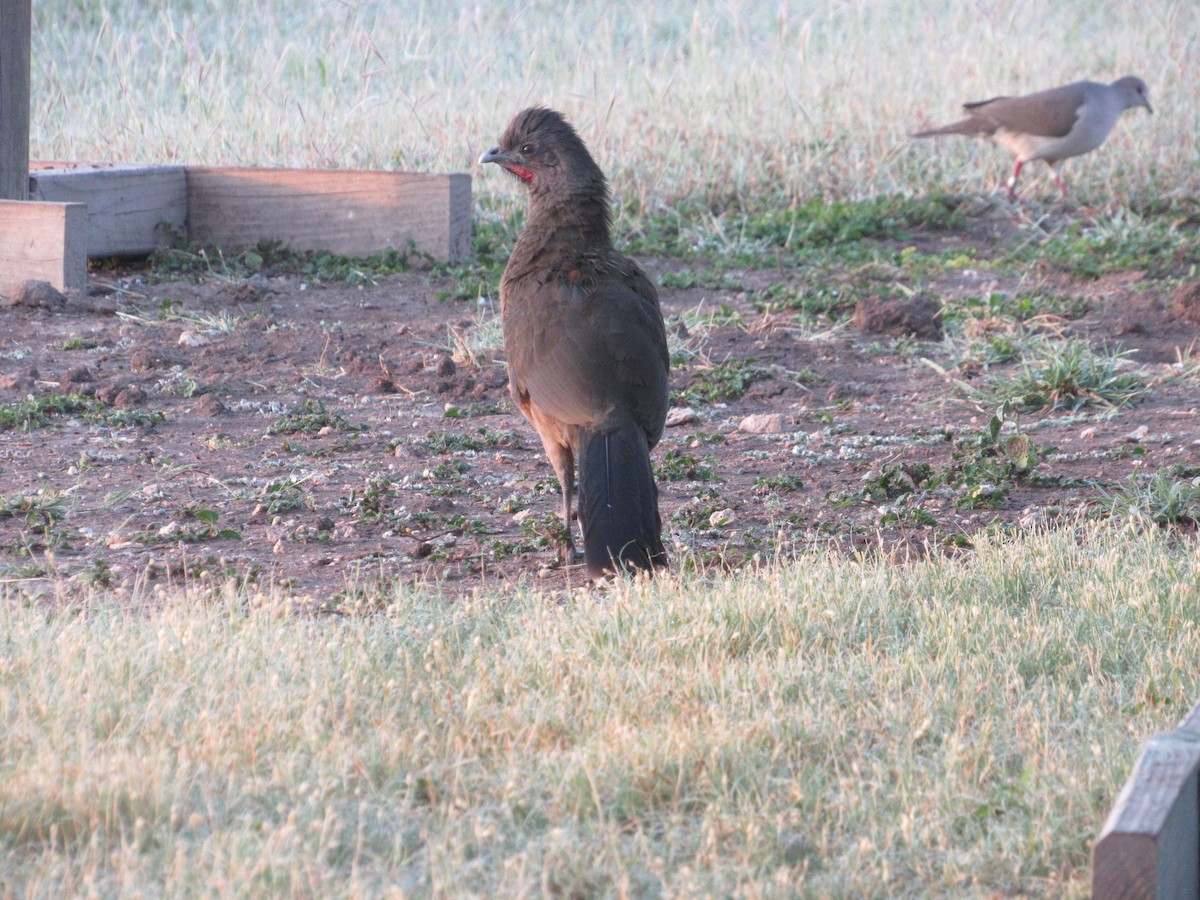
point(1053, 125)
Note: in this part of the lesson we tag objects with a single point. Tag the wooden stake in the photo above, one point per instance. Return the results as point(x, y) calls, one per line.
point(1150, 845)
point(15, 18)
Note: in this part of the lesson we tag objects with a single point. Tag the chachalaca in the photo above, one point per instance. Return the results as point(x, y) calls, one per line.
point(585, 343)
point(1053, 125)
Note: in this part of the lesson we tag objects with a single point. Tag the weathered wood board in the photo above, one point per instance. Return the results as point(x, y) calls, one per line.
point(346, 212)
point(43, 242)
point(1150, 844)
point(132, 210)
point(15, 19)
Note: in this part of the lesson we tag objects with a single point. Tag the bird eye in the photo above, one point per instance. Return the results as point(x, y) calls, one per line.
point(526, 148)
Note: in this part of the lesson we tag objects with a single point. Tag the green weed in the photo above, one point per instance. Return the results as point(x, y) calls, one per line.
point(676, 465)
point(777, 484)
point(725, 381)
point(310, 417)
point(1065, 375)
point(271, 258)
point(1166, 497)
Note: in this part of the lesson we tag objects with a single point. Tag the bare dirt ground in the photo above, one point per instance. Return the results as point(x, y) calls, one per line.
point(331, 437)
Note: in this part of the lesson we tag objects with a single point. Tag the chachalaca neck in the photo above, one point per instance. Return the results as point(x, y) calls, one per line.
point(580, 220)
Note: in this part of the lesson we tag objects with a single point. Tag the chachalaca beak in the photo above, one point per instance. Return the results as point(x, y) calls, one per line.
point(508, 162)
point(497, 155)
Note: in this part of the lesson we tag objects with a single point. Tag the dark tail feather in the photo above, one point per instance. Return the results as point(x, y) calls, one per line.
point(618, 501)
point(966, 126)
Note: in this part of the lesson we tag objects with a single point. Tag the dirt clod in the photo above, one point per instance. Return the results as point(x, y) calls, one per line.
point(1186, 302)
point(919, 316)
point(36, 295)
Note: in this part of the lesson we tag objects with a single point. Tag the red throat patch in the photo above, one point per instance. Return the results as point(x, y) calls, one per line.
point(520, 171)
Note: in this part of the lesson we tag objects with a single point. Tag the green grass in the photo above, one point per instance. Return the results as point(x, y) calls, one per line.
point(1068, 375)
point(272, 259)
point(725, 106)
point(1165, 497)
point(723, 381)
point(45, 411)
point(311, 417)
point(1161, 244)
point(832, 727)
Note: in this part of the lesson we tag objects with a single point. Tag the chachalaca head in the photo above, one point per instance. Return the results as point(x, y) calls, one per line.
point(541, 148)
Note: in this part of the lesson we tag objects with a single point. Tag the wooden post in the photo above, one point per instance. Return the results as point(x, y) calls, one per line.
point(15, 18)
point(43, 242)
point(1150, 845)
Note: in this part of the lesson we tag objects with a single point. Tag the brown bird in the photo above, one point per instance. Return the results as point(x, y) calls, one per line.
point(1053, 125)
point(585, 342)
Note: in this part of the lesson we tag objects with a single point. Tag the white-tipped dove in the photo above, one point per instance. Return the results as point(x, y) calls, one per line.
point(1053, 125)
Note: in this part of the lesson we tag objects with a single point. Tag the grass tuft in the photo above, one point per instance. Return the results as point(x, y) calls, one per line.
point(1065, 375)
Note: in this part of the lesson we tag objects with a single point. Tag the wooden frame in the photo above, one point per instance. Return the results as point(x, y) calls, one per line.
point(131, 210)
point(1150, 844)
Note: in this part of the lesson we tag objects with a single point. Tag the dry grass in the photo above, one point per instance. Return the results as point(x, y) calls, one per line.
point(747, 101)
point(834, 727)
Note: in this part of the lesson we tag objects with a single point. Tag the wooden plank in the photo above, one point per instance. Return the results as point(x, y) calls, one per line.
point(132, 210)
point(347, 212)
point(15, 18)
point(1150, 844)
point(43, 242)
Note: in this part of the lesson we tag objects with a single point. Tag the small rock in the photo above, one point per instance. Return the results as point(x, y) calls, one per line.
point(721, 517)
point(1138, 434)
point(762, 423)
point(681, 415)
point(190, 339)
